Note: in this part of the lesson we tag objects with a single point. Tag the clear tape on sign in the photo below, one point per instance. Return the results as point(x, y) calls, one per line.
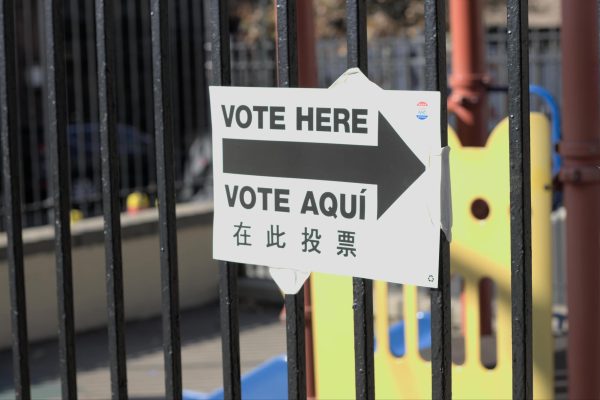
point(357, 78)
point(444, 216)
point(289, 280)
point(446, 195)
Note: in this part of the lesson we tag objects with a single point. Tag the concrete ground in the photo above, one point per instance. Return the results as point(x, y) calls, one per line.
point(262, 337)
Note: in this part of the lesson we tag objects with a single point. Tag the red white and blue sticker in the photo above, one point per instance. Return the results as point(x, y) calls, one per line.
point(422, 110)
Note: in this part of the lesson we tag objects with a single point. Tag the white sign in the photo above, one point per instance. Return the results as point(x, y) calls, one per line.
point(345, 180)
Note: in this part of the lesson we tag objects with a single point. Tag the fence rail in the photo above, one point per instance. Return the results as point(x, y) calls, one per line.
point(228, 291)
point(441, 337)
point(12, 200)
point(55, 90)
point(168, 118)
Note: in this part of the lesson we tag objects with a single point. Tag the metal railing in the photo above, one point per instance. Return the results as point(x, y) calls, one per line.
point(163, 126)
point(134, 103)
point(394, 63)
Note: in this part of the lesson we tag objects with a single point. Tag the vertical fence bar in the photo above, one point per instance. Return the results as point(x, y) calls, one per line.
point(12, 198)
point(435, 77)
point(228, 292)
point(307, 77)
point(220, 51)
point(287, 51)
point(175, 74)
point(287, 76)
point(132, 12)
point(520, 197)
point(186, 93)
point(201, 110)
point(31, 57)
point(107, 108)
point(147, 95)
point(363, 338)
point(123, 96)
point(163, 127)
point(75, 100)
point(60, 176)
point(356, 22)
point(92, 95)
point(230, 329)
point(296, 351)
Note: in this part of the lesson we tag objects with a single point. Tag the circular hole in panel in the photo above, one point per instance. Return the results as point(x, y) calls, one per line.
point(480, 209)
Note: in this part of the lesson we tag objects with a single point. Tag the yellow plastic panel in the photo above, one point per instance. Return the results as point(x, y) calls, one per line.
point(333, 336)
point(480, 249)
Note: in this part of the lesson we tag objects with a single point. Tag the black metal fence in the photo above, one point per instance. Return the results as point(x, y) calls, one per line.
point(134, 96)
point(394, 63)
point(165, 105)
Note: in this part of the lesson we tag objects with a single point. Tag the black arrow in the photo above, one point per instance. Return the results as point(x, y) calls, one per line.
point(391, 165)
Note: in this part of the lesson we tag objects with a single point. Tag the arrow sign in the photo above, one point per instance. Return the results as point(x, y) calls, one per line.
point(391, 165)
point(293, 175)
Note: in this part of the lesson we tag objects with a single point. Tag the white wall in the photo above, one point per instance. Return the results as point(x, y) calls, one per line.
point(198, 274)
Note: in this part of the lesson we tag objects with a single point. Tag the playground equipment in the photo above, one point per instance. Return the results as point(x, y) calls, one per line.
point(480, 249)
point(268, 381)
point(480, 208)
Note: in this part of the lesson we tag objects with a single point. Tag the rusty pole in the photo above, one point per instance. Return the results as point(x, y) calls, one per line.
point(580, 174)
point(307, 72)
point(468, 100)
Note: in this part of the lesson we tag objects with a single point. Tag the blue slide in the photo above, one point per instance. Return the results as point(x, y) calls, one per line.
point(268, 381)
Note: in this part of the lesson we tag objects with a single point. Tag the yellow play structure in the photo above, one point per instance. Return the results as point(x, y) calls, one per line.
point(480, 249)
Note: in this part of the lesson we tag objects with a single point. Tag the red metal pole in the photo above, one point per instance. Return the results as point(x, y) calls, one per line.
point(468, 100)
point(307, 71)
point(580, 174)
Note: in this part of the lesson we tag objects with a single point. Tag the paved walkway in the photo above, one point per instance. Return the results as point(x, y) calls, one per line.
point(262, 337)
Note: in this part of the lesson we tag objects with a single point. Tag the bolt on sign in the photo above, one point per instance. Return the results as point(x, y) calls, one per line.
point(349, 180)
